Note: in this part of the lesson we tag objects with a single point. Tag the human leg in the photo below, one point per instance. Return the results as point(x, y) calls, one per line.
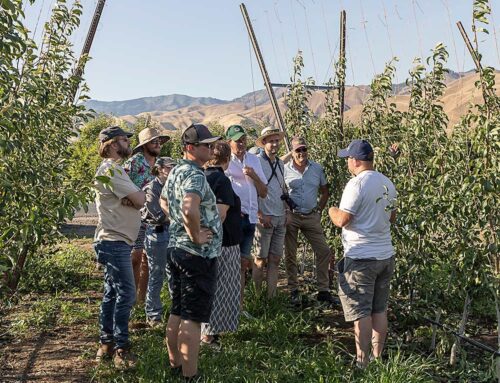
point(272, 274)
point(362, 335)
point(156, 250)
point(262, 242)
point(275, 254)
point(189, 346)
point(379, 333)
point(172, 335)
point(248, 233)
point(313, 231)
point(292, 231)
point(174, 319)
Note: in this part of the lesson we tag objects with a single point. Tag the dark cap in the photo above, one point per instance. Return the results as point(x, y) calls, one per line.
point(198, 134)
point(358, 149)
point(112, 132)
point(298, 142)
point(235, 132)
point(165, 162)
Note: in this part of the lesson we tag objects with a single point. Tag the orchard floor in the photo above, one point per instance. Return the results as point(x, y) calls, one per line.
point(50, 334)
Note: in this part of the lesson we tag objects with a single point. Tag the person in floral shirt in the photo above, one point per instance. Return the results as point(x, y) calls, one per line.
point(138, 168)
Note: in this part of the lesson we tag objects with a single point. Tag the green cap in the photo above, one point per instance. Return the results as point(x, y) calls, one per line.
point(235, 132)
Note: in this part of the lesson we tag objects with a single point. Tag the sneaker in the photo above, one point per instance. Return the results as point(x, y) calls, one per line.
point(326, 297)
point(104, 352)
point(295, 298)
point(124, 359)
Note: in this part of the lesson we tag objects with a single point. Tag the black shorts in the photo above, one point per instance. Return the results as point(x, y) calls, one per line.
point(191, 281)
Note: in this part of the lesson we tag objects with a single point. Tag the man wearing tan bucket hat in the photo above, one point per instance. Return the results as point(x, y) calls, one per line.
point(138, 168)
point(272, 214)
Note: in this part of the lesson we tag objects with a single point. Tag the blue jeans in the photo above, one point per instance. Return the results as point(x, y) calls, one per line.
point(119, 292)
point(248, 231)
point(156, 249)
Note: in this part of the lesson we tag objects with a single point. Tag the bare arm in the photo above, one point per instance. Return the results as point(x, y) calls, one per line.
point(222, 208)
point(286, 157)
point(135, 200)
point(339, 217)
point(191, 216)
point(164, 206)
point(259, 185)
point(323, 198)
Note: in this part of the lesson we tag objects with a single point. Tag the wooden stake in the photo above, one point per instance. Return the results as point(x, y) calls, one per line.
point(342, 79)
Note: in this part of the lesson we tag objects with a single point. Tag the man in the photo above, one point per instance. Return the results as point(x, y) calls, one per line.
point(138, 167)
point(365, 214)
point(271, 228)
point(118, 202)
point(195, 241)
point(248, 181)
point(304, 178)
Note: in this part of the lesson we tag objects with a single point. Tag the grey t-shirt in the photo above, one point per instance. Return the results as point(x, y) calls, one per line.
point(272, 204)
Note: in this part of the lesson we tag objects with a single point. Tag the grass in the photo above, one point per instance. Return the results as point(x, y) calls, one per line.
point(62, 288)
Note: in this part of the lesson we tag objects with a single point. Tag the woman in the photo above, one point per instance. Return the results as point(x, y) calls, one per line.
point(226, 305)
point(156, 238)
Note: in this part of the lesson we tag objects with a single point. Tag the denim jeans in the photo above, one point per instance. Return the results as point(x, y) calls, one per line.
point(119, 292)
point(156, 249)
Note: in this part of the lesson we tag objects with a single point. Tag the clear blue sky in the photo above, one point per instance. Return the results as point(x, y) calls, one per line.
point(200, 47)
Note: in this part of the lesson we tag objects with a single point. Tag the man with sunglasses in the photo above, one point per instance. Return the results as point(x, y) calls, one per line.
point(138, 168)
point(304, 179)
point(248, 181)
point(195, 241)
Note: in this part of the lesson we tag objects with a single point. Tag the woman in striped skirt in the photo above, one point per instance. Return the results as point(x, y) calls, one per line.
point(226, 304)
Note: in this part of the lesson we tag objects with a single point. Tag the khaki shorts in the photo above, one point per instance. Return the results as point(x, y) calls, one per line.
point(270, 240)
point(364, 286)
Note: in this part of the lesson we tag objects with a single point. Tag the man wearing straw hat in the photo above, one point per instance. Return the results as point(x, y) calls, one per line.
point(138, 168)
point(272, 214)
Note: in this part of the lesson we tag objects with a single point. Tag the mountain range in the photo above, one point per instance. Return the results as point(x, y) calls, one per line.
point(177, 111)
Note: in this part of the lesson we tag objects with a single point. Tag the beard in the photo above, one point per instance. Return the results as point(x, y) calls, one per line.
point(124, 153)
point(152, 152)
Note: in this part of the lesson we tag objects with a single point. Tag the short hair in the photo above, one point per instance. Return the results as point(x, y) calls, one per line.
point(104, 147)
point(222, 154)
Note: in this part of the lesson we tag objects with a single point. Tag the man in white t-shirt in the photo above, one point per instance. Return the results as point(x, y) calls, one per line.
point(365, 214)
point(248, 181)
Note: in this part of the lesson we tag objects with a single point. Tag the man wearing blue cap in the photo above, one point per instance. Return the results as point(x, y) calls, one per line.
point(365, 214)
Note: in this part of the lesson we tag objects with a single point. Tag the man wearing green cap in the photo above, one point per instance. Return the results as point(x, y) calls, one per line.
point(248, 181)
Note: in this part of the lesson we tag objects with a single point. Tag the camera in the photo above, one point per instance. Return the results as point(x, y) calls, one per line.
point(290, 202)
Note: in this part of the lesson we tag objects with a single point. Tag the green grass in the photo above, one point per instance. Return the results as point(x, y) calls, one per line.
point(62, 288)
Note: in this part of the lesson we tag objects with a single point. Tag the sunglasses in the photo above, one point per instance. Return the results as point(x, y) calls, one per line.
point(301, 150)
point(210, 146)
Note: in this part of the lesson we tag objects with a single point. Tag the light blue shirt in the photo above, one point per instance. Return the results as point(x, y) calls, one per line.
point(303, 187)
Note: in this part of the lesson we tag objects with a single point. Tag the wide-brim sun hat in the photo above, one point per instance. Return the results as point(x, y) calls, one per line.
point(268, 132)
point(149, 134)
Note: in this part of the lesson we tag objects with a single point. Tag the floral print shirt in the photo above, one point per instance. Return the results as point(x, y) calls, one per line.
point(138, 169)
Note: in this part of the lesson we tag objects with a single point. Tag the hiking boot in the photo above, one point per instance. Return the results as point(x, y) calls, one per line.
point(104, 352)
point(295, 298)
point(124, 359)
point(326, 297)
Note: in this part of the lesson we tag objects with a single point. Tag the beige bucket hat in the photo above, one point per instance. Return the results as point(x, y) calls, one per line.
point(266, 132)
point(149, 134)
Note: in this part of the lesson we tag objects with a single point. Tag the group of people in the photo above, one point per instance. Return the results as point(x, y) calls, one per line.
point(206, 219)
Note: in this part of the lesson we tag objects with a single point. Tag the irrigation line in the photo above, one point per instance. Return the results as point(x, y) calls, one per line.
point(473, 342)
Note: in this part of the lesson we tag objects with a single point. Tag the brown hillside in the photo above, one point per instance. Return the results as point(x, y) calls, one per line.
point(458, 96)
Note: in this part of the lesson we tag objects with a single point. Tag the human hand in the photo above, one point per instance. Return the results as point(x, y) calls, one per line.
point(126, 202)
point(204, 236)
point(394, 150)
point(248, 171)
point(265, 221)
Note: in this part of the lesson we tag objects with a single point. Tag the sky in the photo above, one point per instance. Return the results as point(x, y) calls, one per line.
point(201, 48)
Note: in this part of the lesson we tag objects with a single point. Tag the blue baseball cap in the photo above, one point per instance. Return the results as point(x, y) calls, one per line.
point(358, 149)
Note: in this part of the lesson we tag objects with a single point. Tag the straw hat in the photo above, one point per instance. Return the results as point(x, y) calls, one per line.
point(149, 134)
point(267, 132)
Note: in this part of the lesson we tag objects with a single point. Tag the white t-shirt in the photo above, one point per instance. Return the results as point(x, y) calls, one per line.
point(117, 222)
point(243, 185)
point(370, 197)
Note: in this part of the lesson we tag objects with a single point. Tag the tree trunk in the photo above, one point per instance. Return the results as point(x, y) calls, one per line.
point(17, 270)
point(497, 308)
point(461, 330)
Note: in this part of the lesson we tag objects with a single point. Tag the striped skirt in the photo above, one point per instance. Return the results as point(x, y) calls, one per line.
point(226, 305)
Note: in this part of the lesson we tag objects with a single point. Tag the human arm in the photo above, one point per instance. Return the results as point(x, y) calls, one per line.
point(136, 199)
point(339, 217)
point(286, 157)
point(164, 206)
point(392, 219)
point(190, 211)
point(222, 208)
point(323, 198)
point(153, 211)
point(259, 185)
